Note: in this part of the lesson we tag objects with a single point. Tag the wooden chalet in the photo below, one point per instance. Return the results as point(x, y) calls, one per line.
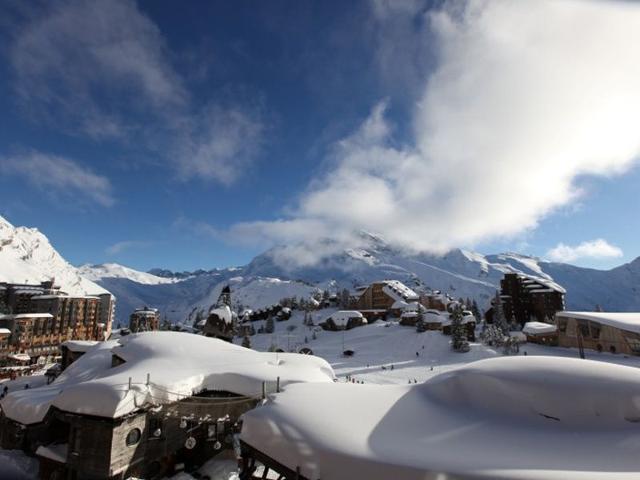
point(612, 332)
point(344, 320)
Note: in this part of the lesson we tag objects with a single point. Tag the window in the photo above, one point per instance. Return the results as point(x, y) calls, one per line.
point(583, 328)
point(562, 324)
point(133, 437)
point(595, 330)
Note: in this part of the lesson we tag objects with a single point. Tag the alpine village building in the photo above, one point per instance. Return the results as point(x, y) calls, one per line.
point(41, 317)
point(526, 299)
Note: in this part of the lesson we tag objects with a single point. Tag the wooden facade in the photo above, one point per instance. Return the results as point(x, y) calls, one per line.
point(585, 330)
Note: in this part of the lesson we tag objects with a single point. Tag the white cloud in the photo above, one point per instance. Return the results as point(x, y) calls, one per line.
point(60, 176)
point(222, 145)
point(594, 249)
point(103, 69)
point(92, 62)
point(525, 97)
point(120, 247)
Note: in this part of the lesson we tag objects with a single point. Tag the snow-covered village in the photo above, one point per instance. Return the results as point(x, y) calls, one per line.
point(300, 240)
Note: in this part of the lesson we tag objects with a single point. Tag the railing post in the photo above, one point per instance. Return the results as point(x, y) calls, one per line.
point(278, 385)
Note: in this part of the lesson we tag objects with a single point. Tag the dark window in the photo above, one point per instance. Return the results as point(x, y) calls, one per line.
point(133, 437)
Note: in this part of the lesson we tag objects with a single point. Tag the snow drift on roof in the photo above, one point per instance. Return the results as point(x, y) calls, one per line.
point(178, 363)
point(342, 317)
point(539, 328)
point(623, 320)
point(223, 313)
point(399, 291)
point(511, 417)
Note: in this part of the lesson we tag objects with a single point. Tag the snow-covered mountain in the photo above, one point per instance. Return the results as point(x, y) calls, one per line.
point(96, 273)
point(26, 256)
point(462, 273)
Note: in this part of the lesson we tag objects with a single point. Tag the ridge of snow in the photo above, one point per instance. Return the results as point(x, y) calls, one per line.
point(114, 270)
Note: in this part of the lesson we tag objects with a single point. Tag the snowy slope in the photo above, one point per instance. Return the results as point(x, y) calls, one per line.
point(26, 256)
point(96, 273)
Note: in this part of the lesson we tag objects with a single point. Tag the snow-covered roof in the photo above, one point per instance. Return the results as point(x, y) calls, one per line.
point(178, 364)
point(529, 280)
point(521, 417)
point(56, 452)
point(539, 328)
point(18, 316)
point(223, 313)
point(399, 305)
point(623, 320)
point(20, 357)
point(79, 345)
point(343, 316)
point(399, 291)
point(5, 331)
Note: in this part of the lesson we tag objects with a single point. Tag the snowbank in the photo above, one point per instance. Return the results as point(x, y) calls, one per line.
point(512, 417)
point(178, 364)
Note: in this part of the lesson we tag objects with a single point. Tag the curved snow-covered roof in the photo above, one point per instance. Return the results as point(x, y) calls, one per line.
point(539, 328)
point(343, 316)
point(178, 364)
point(526, 418)
point(223, 313)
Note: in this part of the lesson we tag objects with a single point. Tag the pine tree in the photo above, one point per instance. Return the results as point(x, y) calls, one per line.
point(345, 298)
point(499, 319)
point(420, 326)
point(246, 343)
point(475, 310)
point(458, 331)
point(269, 327)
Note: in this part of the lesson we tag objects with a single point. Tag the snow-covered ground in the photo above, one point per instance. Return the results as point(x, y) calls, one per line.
point(385, 353)
point(381, 345)
point(15, 465)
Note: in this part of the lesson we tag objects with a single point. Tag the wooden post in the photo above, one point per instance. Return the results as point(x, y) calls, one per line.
point(297, 473)
point(278, 385)
point(264, 390)
point(129, 383)
point(148, 379)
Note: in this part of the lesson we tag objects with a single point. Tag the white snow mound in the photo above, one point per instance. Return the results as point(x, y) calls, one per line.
point(511, 417)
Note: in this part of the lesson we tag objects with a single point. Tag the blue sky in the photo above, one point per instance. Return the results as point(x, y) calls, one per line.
point(195, 137)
